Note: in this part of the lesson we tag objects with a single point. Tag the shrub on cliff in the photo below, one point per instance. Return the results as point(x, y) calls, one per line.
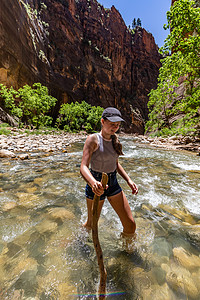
point(30, 104)
point(75, 117)
point(174, 108)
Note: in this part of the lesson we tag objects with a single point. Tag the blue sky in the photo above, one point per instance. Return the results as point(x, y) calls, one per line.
point(151, 12)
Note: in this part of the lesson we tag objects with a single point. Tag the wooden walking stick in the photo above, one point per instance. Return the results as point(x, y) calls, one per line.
point(103, 273)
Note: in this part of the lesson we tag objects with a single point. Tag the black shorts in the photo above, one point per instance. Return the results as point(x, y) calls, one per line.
point(113, 185)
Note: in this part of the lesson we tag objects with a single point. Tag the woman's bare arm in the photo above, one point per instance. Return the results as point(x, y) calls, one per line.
point(90, 146)
point(125, 176)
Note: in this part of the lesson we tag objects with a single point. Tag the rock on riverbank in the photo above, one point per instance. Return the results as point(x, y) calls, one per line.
point(172, 143)
point(20, 144)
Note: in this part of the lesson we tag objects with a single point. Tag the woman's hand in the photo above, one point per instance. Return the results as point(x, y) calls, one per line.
point(124, 175)
point(97, 188)
point(133, 186)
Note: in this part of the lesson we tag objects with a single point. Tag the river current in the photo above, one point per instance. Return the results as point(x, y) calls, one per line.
point(46, 254)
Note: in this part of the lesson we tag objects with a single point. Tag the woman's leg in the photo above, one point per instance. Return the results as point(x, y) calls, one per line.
point(121, 206)
point(88, 223)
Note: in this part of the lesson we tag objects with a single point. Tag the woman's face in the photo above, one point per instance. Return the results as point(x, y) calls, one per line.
point(110, 127)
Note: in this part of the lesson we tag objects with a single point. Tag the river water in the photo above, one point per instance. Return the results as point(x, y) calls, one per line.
point(46, 254)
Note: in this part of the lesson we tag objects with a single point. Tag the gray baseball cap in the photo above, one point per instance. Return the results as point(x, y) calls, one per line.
point(112, 114)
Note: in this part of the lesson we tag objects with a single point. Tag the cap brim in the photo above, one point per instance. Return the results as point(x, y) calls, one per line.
point(115, 119)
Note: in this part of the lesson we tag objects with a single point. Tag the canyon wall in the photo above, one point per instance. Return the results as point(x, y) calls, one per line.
point(81, 51)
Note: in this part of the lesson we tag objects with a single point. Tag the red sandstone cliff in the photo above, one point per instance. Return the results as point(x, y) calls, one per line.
point(81, 51)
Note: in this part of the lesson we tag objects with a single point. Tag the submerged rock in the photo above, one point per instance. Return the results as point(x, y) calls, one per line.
point(183, 284)
point(157, 292)
point(193, 234)
point(38, 181)
point(46, 226)
point(66, 289)
point(60, 213)
point(188, 261)
point(8, 206)
point(27, 200)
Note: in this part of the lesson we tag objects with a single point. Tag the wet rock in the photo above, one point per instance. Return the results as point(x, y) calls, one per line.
point(7, 154)
point(193, 234)
point(161, 247)
point(13, 249)
point(66, 289)
point(28, 281)
point(31, 190)
point(23, 219)
point(38, 181)
point(15, 260)
point(28, 263)
point(28, 200)
point(8, 206)
point(157, 260)
point(189, 261)
point(183, 284)
point(138, 278)
point(185, 216)
point(46, 226)
point(195, 277)
point(61, 213)
point(165, 267)
point(61, 288)
point(159, 274)
point(194, 171)
point(157, 292)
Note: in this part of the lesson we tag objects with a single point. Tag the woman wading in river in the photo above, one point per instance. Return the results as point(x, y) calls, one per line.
point(101, 152)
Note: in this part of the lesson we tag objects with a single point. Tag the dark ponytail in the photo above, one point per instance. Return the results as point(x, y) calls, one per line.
point(116, 144)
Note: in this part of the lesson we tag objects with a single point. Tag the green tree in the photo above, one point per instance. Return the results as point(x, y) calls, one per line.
point(134, 23)
point(93, 122)
point(35, 103)
point(139, 22)
point(30, 104)
point(74, 117)
point(182, 60)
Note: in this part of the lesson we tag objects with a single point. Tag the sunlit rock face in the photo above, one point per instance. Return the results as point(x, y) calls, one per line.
point(81, 51)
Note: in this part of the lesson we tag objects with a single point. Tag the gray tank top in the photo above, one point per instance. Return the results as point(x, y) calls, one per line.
point(104, 159)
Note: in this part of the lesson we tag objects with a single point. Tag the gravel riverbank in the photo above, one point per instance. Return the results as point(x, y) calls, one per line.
point(21, 144)
point(172, 143)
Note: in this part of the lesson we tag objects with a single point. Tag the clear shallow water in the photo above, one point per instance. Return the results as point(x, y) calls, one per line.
point(45, 254)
